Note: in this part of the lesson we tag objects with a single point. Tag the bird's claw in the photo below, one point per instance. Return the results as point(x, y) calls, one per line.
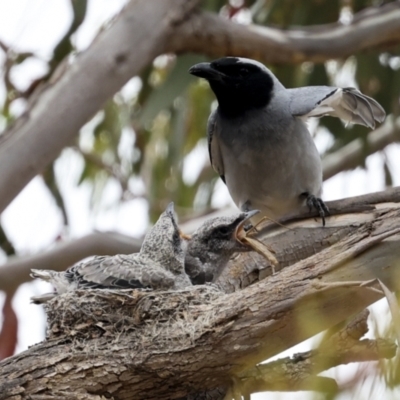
point(319, 205)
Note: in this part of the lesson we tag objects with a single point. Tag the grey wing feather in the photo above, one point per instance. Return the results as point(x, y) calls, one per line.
point(349, 104)
point(123, 271)
point(305, 99)
point(102, 271)
point(213, 146)
point(43, 298)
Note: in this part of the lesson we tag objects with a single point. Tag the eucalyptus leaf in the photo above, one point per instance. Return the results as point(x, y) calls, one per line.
point(176, 82)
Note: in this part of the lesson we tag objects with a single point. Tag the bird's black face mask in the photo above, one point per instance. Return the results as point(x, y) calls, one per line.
point(239, 86)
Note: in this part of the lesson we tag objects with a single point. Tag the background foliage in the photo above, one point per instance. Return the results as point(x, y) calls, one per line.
point(149, 139)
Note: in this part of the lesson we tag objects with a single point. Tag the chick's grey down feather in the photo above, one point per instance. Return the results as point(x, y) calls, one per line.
point(212, 245)
point(158, 265)
point(258, 140)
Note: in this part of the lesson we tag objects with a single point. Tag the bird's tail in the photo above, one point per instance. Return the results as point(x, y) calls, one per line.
point(48, 276)
point(43, 274)
point(43, 298)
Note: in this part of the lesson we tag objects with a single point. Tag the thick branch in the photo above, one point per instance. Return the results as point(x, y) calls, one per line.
point(299, 371)
point(17, 270)
point(353, 154)
point(210, 34)
point(196, 339)
point(295, 241)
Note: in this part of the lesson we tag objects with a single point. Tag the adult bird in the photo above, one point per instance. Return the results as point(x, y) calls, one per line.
point(158, 265)
point(213, 244)
point(258, 140)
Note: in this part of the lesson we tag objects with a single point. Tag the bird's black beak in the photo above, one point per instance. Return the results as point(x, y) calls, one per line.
point(249, 214)
point(206, 71)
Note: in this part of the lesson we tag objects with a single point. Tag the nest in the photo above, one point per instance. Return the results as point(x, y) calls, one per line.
point(144, 318)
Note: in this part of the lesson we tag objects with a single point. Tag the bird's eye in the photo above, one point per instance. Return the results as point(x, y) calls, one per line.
point(243, 71)
point(176, 238)
point(223, 231)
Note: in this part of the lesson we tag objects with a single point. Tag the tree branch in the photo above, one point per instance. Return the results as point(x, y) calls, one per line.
point(209, 34)
point(197, 339)
point(17, 270)
point(142, 32)
point(353, 154)
point(299, 371)
point(288, 241)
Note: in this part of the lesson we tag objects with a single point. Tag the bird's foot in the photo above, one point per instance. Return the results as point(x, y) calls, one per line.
point(319, 205)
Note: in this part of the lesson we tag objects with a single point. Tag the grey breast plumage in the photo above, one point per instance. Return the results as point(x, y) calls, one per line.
point(258, 140)
point(158, 265)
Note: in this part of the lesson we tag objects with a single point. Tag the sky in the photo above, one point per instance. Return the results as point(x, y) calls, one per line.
point(33, 221)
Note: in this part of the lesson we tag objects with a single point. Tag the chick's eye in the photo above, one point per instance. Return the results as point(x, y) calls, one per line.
point(223, 231)
point(176, 238)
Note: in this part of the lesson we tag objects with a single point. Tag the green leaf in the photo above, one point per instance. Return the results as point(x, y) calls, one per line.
point(199, 101)
point(388, 175)
point(52, 184)
point(108, 132)
point(64, 47)
point(5, 244)
point(176, 82)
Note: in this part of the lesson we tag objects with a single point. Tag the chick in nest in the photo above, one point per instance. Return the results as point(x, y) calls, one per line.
point(158, 265)
point(213, 244)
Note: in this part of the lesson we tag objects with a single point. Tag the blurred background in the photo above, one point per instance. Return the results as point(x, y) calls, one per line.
point(147, 146)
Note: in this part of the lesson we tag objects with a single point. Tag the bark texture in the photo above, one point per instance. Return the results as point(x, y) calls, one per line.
point(144, 345)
